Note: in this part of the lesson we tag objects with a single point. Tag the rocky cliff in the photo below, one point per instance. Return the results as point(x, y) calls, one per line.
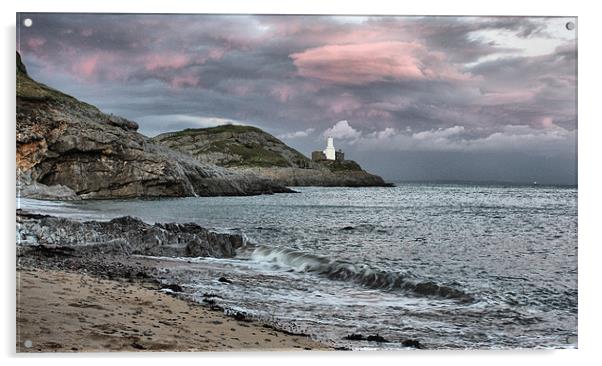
point(247, 149)
point(68, 149)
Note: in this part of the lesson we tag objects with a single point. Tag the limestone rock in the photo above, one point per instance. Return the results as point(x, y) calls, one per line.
point(122, 236)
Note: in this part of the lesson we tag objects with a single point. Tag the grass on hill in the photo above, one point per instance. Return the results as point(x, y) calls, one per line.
point(215, 130)
point(29, 89)
point(342, 166)
point(250, 154)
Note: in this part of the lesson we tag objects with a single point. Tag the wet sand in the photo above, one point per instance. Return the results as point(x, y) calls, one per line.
point(60, 311)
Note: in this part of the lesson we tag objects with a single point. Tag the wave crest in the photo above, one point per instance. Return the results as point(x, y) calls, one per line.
point(357, 273)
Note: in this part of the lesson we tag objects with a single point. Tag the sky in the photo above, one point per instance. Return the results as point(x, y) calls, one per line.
point(409, 98)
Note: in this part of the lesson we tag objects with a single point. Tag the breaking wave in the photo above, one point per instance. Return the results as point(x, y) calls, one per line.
point(357, 273)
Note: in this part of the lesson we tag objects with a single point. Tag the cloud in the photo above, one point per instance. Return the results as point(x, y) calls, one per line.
point(283, 92)
point(342, 130)
point(383, 71)
point(155, 124)
point(510, 138)
point(345, 103)
point(154, 62)
point(183, 81)
point(93, 67)
point(297, 134)
point(35, 42)
point(378, 61)
point(438, 134)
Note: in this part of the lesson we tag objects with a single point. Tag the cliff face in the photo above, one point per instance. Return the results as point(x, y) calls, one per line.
point(250, 150)
point(67, 149)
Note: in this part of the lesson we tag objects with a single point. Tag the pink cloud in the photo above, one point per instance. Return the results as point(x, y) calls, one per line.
point(311, 87)
point(547, 122)
point(216, 54)
point(283, 92)
point(34, 43)
point(242, 90)
point(98, 66)
point(342, 104)
point(328, 32)
point(377, 61)
point(118, 66)
point(509, 97)
point(155, 62)
point(375, 113)
point(86, 66)
point(239, 87)
point(184, 81)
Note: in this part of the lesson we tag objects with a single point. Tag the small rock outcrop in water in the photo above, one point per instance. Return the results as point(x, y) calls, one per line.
point(224, 280)
point(248, 149)
point(68, 149)
point(371, 338)
point(51, 235)
point(355, 337)
point(173, 287)
point(412, 343)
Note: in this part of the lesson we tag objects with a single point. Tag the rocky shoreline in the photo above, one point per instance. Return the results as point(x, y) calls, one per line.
point(123, 236)
point(145, 258)
point(115, 251)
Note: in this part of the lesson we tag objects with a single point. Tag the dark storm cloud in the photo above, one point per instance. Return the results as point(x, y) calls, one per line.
point(457, 85)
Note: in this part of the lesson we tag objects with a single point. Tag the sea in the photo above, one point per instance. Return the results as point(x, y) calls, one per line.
point(452, 266)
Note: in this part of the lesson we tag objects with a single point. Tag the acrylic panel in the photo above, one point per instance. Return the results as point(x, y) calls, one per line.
point(196, 182)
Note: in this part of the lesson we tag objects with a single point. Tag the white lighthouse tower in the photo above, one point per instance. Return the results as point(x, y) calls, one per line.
point(330, 151)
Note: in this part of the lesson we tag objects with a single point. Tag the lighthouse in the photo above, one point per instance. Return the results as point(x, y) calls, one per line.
point(330, 152)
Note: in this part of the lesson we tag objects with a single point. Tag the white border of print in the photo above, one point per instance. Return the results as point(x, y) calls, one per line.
point(589, 174)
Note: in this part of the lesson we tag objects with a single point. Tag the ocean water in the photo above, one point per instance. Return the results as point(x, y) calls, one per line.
point(452, 266)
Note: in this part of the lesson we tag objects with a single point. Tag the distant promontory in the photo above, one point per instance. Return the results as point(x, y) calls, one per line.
point(247, 149)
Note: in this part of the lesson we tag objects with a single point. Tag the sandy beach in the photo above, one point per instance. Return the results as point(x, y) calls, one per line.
point(59, 311)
